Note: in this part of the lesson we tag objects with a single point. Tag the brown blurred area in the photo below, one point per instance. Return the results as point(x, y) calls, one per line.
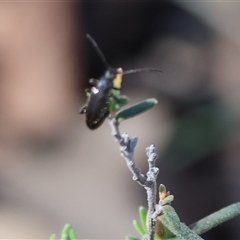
point(53, 170)
point(39, 75)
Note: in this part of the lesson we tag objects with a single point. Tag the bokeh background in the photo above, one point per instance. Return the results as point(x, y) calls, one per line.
point(54, 170)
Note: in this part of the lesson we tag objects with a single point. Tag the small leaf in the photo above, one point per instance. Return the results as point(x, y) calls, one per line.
point(162, 188)
point(167, 199)
point(53, 237)
point(138, 227)
point(68, 233)
point(131, 238)
point(143, 213)
point(164, 195)
point(135, 110)
point(64, 235)
point(72, 234)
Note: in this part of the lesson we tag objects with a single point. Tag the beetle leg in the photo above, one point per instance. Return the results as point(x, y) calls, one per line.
point(83, 110)
point(88, 92)
point(117, 102)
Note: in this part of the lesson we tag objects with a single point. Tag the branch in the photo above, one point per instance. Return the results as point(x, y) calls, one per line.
point(149, 182)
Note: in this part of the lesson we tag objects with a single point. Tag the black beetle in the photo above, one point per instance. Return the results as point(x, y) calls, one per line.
point(104, 96)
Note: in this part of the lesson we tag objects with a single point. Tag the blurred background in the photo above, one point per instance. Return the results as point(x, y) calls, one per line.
point(54, 170)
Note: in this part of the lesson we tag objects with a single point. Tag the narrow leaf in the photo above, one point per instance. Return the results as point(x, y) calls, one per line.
point(171, 221)
point(135, 110)
point(216, 218)
point(72, 234)
point(65, 232)
point(138, 227)
point(162, 232)
point(143, 213)
point(131, 238)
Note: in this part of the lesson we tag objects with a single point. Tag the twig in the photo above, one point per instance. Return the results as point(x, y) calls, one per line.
point(127, 146)
point(152, 188)
point(149, 182)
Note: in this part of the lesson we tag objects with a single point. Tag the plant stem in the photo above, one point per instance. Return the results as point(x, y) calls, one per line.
point(149, 182)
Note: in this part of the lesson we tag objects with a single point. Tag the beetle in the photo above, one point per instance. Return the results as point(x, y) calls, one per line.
point(104, 97)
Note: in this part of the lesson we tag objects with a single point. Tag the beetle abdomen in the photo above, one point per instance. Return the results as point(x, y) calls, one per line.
point(97, 109)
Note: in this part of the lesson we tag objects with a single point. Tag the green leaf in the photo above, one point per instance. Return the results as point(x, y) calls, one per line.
point(143, 213)
point(138, 227)
point(162, 232)
point(216, 218)
point(53, 237)
point(171, 221)
point(64, 235)
point(162, 188)
point(167, 200)
point(131, 238)
point(68, 233)
point(72, 234)
point(135, 110)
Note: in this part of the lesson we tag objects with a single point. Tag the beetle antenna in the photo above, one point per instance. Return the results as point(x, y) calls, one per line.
point(98, 50)
point(131, 71)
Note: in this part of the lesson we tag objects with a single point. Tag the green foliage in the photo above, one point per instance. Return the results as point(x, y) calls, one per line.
point(143, 213)
point(131, 238)
point(164, 195)
point(68, 233)
point(135, 110)
point(171, 221)
point(216, 218)
point(169, 226)
point(142, 226)
point(165, 219)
